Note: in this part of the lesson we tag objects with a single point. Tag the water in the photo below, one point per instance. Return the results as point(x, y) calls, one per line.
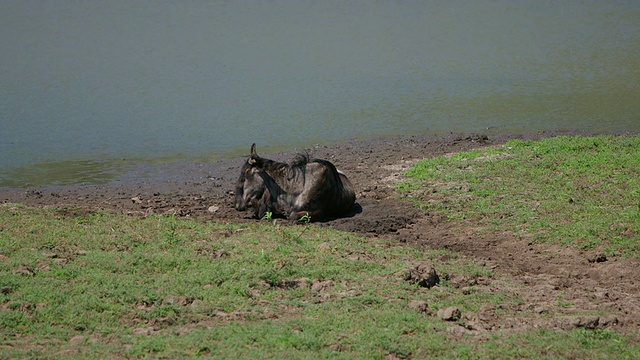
point(84, 85)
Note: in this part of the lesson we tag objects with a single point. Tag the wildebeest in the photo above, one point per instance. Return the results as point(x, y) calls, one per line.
point(303, 187)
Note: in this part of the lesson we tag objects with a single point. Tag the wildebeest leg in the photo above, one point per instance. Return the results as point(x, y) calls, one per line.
point(263, 205)
point(313, 215)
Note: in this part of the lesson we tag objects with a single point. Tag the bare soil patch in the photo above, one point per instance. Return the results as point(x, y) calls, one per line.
point(564, 283)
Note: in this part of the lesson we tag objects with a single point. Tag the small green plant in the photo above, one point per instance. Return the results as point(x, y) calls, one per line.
point(285, 232)
point(268, 216)
point(305, 219)
point(171, 232)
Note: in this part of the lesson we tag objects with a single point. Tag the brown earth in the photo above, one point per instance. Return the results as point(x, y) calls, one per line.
point(561, 287)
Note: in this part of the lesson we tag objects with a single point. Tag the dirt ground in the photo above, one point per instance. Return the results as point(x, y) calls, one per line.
point(558, 285)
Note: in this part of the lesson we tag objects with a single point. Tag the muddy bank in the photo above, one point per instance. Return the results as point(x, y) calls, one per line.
point(204, 189)
point(543, 273)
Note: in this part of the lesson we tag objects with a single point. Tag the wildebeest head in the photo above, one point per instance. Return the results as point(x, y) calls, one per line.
point(251, 188)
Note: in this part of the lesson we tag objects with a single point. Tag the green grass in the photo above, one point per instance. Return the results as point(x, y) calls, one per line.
point(582, 191)
point(101, 285)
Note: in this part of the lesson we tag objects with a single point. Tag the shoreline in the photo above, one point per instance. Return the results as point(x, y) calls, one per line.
point(188, 188)
point(131, 172)
point(157, 172)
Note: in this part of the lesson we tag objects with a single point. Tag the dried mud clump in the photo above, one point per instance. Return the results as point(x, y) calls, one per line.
point(450, 314)
point(423, 274)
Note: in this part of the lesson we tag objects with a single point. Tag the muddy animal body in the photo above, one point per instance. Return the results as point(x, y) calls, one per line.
point(303, 187)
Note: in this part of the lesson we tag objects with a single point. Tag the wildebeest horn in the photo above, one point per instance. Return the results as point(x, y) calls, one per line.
point(253, 156)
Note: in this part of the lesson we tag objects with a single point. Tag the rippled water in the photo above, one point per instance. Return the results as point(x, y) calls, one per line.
point(84, 85)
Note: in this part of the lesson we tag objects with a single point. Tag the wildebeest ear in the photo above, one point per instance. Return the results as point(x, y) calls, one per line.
point(253, 150)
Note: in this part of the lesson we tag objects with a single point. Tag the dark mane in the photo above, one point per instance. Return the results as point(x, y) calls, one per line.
point(275, 167)
point(294, 168)
point(300, 159)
